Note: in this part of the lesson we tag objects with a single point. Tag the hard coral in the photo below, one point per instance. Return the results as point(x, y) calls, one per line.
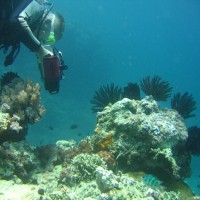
point(160, 90)
point(23, 99)
point(84, 147)
point(84, 165)
point(109, 159)
point(140, 134)
point(105, 142)
point(184, 104)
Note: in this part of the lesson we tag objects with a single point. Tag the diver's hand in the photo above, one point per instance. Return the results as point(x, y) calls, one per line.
point(42, 52)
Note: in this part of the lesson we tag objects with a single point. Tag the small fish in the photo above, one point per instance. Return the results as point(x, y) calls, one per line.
point(73, 126)
point(79, 134)
point(152, 181)
point(51, 128)
point(198, 185)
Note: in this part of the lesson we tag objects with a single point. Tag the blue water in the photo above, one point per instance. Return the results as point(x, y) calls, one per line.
point(116, 41)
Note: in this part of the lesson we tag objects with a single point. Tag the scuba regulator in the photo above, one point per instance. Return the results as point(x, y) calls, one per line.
point(52, 71)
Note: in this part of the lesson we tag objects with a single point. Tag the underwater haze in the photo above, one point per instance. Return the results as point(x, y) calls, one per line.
point(116, 41)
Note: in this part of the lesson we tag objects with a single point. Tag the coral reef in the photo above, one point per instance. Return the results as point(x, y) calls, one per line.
point(160, 90)
point(23, 99)
point(184, 104)
point(10, 128)
point(130, 135)
point(84, 166)
point(20, 104)
point(106, 180)
point(107, 94)
point(109, 159)
point(142, 135)
point(85, 176)
point(17, 161)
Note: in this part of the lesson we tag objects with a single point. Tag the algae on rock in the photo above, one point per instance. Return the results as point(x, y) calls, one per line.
point(142, 135)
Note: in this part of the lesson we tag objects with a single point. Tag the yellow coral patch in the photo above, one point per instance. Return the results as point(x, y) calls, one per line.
point(105, 142)
point(97, 131)
point(4, 120)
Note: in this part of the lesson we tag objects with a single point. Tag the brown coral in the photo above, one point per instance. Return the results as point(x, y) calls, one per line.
point(23, 98)
point(109, 159)
point(84, 147)
point(105, 142)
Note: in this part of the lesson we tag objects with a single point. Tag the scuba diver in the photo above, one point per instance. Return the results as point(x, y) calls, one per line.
point(32, 23)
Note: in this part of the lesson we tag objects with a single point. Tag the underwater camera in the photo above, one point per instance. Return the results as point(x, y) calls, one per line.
point(53, 67)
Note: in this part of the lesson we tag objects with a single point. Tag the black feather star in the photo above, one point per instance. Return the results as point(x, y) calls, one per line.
point(160, 90)
point(193, 140)
point(107, 94)
point(131, 91)
point(183, 104)
point(7, 78)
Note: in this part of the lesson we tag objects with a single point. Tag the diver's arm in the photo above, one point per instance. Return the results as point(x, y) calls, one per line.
point(27, 36)
point(29, 15)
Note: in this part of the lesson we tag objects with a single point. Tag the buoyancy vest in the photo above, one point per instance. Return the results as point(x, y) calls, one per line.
point(9, 31)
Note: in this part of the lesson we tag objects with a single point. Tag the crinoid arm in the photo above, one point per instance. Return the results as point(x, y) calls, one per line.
point(184, 104)
point(160, 90)
point(105, 95)
point(193, 140)
point(131, 91)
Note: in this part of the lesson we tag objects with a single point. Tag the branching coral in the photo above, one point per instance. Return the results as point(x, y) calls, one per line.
point(184, 104)
point(160, 90)
point(107, 94)
point(23, 100)
point(131, 91)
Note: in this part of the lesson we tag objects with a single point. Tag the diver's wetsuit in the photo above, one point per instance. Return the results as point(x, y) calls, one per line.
point(18, 21)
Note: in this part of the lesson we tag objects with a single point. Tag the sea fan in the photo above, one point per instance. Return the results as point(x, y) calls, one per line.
point(183, 104)
point(160, 90)
point(106, 95)
point(193, 141)
point(131, 91)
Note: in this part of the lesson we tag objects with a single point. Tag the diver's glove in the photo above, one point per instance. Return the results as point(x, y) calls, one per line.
point(42, 52)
